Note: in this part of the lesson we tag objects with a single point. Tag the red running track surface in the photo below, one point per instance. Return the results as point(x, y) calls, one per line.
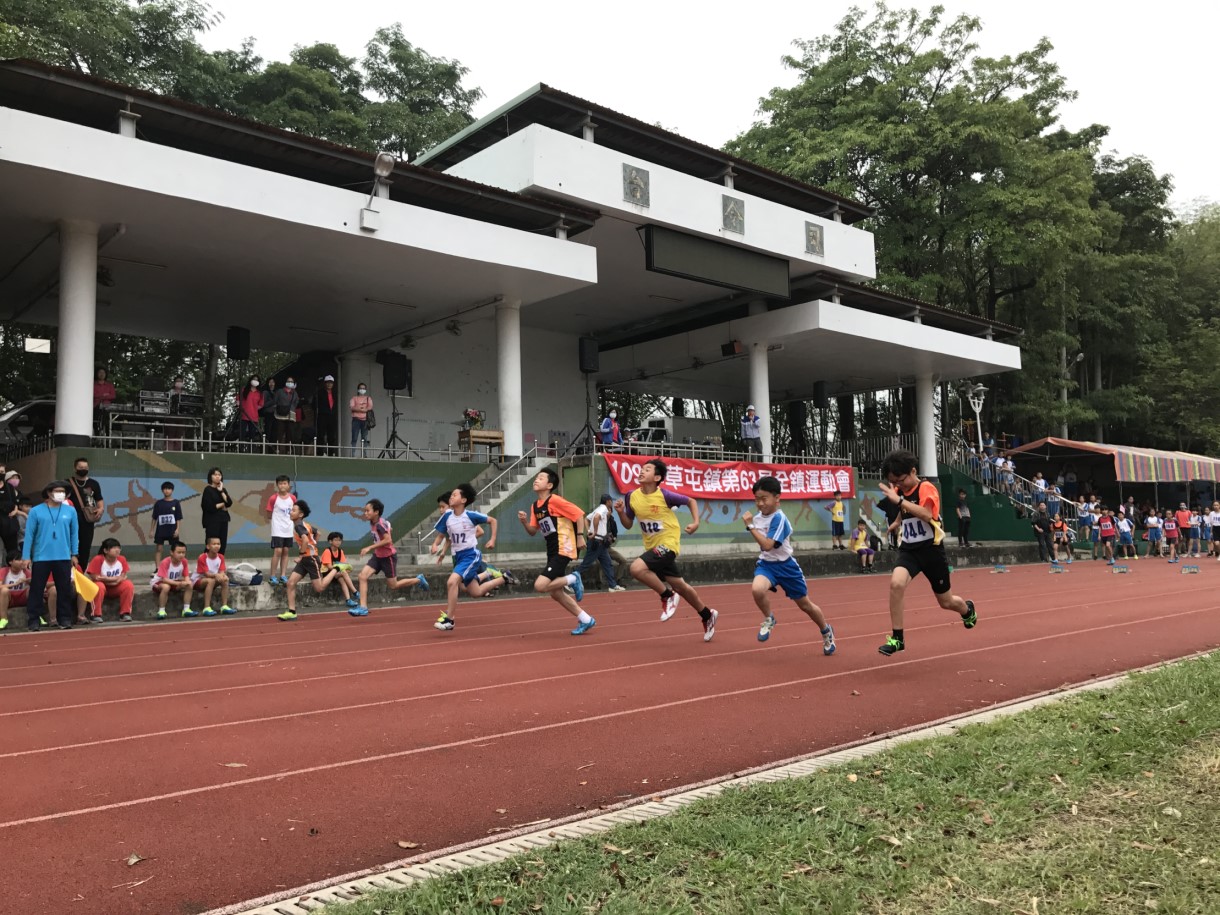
point(245, 757)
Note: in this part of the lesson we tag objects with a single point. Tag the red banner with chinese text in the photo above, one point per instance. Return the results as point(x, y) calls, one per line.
point(733, 480)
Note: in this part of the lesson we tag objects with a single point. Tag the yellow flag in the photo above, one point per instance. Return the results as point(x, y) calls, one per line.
point(86, 587)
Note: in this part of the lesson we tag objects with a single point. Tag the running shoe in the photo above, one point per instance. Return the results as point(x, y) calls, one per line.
point(423, 584)
point(358, 611)
point(618, 588)
point(4, 623)
point(493, 572)
point(578, 587)
point(187, 611)
point(892, 646)
point(669, 606)
point(510, 578)
point(970, 620)
point(765, 632)
point(226, 610)
point(444, 623)
point(352, 603)
point(208, 611)
point(42, 622)
point(97, 618)
point(287, 616)
point(124, 617)
point(828, 640)
point(709, 625)
point(582, 628)
point(161, 614)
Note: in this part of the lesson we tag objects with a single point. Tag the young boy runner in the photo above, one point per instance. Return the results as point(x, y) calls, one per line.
point(279, 509)
point(167, 519)
point(920, 548)
point(306, 537)
point(173, 575)
point(1153, 524)
point(562, 526)
point(1107, 533)
point(383, 560)
point(859, 546)
point(1171, 534)
point(1126, 536)
point(658, 566)
point(459, 528)
point(211, 570)
point(333, 557)
point(776, 568)
point(838, 516)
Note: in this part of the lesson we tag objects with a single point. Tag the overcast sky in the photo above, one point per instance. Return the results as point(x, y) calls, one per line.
point(699, 68)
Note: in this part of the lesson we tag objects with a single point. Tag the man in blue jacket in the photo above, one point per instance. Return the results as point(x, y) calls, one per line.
point(51, 540)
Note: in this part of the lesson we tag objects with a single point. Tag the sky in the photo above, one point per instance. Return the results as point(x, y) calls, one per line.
point(699, 68)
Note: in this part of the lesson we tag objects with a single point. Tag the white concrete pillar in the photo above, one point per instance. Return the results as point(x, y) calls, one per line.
point(77, 323)
point(925, 424)
point(508, 364)
point(760, 384)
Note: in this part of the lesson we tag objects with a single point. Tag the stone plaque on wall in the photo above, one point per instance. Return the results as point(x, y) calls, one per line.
point(635, 185)
point(733, 213)
point(815, 239)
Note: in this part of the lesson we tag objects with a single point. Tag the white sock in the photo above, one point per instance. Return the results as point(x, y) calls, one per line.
point(570, 578)
point(583, 617)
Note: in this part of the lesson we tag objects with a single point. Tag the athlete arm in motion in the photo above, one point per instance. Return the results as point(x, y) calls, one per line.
point(495, 526)
point(764, 542)
point(527, 522)
point(693, 504)
point(620, 509)
point(913, 509)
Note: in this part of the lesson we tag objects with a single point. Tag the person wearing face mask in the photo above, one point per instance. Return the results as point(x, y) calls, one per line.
point(612, 435)
point(326, 416)
point(10, 512)
point(286, 402)
point(268, 410)
point(249, 406)
point(51, 546)
point(86, 497)
point(361, 406)
point(173, 432)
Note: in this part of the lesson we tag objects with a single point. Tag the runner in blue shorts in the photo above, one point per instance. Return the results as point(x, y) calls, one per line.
point(458, 528)
point(776, 568)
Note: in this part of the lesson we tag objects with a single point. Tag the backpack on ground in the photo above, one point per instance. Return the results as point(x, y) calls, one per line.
point(243, 573)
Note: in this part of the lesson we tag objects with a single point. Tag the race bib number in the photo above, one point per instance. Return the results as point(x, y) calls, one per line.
point(166, 520)
point(914, 530)
point(651, 527)
point(546, 525)
point(458, 539)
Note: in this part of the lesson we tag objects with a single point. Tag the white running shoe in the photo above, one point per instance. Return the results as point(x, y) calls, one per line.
point(709, 628)
point(670, 607)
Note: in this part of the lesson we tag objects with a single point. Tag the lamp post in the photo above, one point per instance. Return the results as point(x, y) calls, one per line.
point(975, 393)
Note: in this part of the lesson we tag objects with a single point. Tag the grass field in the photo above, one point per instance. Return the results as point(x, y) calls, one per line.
point(1108, 802)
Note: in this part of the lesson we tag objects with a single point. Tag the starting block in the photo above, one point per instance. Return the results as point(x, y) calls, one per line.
point(1120, 570)
point(1000, 569)
point(1190, 570)
point(1057, 570)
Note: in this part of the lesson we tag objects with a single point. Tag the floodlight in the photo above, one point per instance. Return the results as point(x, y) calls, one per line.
point(383, 165)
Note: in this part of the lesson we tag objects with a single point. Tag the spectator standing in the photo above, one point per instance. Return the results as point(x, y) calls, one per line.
point(10, 512)
point(361, 406)
point(52, 538)
point(1041, 523)
point(284, 407)
point(751, 432)
point(963, 519)
point(268, 409)
point(103, 396)
point(600, 542)
point(612, 435)
point(1069, 481)
point(166, 519)
point(326, 416)
point(87, 500)
point(250, 402)
point(215, 503)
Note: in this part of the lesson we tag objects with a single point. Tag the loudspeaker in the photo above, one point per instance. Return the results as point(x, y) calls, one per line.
point(679, 406)
point(395, 371)
point(820, 398)
point(798, 418)
point(732, 348)
point(590, 355)
point(237, 343)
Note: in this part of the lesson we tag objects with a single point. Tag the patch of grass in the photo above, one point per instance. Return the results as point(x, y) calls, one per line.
point(1106, 803)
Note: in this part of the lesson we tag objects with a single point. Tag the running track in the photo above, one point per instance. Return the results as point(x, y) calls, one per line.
point(352, 735)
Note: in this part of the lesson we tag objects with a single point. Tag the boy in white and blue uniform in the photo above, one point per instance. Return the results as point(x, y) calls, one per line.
point(776, 568)
point(457, 526)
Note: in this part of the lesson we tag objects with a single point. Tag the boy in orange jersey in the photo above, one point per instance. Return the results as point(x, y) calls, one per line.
point(563, 527)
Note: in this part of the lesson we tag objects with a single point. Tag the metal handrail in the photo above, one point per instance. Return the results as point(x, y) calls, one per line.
point(1021, 493)
point(529, 455)
point(712, 453)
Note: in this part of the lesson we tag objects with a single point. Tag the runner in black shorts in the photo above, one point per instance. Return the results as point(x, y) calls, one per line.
point(920, 546)
point(308, 566)
point(562, 526)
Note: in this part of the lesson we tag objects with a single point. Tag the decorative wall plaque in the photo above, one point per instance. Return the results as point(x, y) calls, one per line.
point(635, 185)
point(815, 242)
point(733, 213)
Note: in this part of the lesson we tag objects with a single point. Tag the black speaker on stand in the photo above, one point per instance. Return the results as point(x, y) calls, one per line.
point(237, 343)
point(395, 377)
point(590, 355)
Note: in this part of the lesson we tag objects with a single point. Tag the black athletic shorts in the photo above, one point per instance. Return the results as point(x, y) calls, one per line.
point(307, 567)
point(931, 561)
point(556, 567)
point(662, 562)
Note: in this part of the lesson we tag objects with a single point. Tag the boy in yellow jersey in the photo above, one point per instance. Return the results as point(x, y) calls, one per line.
point(859, 546)
point(920, 547)
point(658, 566)
point(838, 519)
point(562, 525)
